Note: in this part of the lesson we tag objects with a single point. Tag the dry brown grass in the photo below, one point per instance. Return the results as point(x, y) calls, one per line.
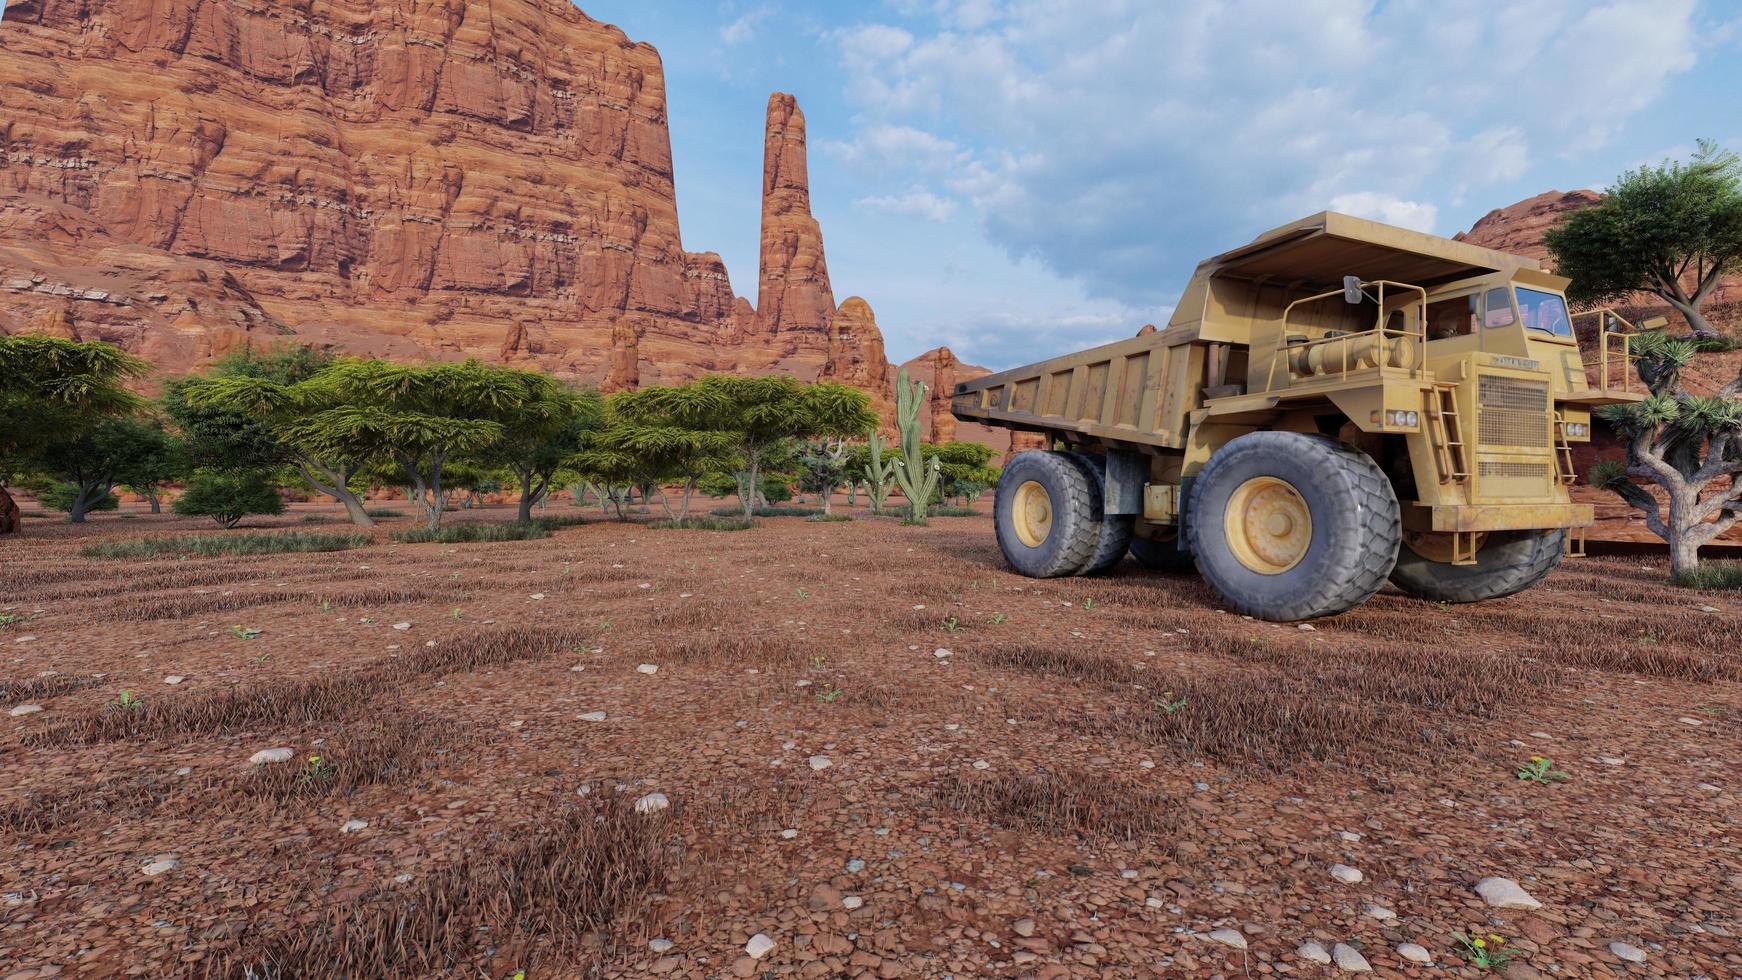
point(740, 650)
point(538, 894)
point(42, 688)
point(324, 698)
point(689, 614)
point(1083, 803)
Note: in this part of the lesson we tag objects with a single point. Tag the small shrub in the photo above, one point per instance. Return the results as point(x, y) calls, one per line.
point(770, 511)
point(952, 512)
point(386, 513)
point(1714, 575)
point(228, 498)
point(212, 545)
point(829, 518)
point(474, 533)
point(704, 524)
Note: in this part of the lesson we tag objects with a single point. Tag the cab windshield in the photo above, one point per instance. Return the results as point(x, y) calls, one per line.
point(1545, 312)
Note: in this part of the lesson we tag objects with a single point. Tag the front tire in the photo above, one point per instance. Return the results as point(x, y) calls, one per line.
point(1289, 526)
point(1507, 562)
point(1046, 516)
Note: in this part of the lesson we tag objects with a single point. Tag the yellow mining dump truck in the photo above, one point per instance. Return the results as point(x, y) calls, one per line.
point(1337, 403)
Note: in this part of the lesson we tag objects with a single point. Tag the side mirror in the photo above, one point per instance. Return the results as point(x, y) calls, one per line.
point(1352, 290)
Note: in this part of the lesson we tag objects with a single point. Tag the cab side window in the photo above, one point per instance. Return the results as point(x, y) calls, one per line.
point(1498, 308)
point(1451, 318)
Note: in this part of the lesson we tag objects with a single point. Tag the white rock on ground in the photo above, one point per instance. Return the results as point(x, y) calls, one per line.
point(592, 716)
point(1504, 893)
point(402, 627)
point(852, 902)
point(820, 762)
point(759, 946)
point(940, 653)
point(1313, 953)
point(661, 945)
point(789, 833)
point(647, 669)
point(25, 709)
point(1414, 953)
point(160, 865)
point(174, 679)
point(1349, 958)
point(652, 803)
point(1228, 937)
point(1628, 952)
point(1347, 875)
point(266, 757)
point(1380, 912)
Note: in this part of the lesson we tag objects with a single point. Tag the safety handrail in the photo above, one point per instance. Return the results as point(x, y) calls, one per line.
point(1626, 356)
point(1379, 332)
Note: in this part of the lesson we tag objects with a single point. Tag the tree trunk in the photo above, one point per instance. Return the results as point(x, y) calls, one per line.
point(151, 497)
point(755, 486)
point(9, 516)
point(353, 507)
point(84, 500)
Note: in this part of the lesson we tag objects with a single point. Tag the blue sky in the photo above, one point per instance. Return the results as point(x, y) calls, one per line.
point(1018, 178)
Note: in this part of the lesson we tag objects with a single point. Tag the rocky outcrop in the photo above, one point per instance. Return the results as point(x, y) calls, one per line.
point(941, 370)
point(855, 354)
point(625, 371)
point(396, 178)
point(794, 293)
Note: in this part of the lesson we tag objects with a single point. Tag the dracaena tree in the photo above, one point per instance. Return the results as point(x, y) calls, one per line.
point(1688, 445)
point(54, 390)
point(1673, 230)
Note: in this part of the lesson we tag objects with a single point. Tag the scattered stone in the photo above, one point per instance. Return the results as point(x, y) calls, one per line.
point(352, 826)
point(647, 669)
point(1349, 836)
point(1609, 760)
point(174, 679)
point(1709, 787)
point(1380, 912)
point(982, 764)
point(1313, 953)
point(855, 866)
point(759, 946)
point(1228, 937)
point(652, 803)
point(1504, 893)
point(852, 902)
point(25, 709)
point(266, 757)
point(592, 716)
point(1628, 952)
point(1307, 628)
point(25, 639)
point(660, 945)
point(184, 770)
point(1695, 722)
point(402, 627)
point(160, 865)
point(1415, 953)
point(536, 595)
point(789, 833)
point(1347, 875)
point(1023, 927)
point(820, 762)
point(823, 897)
point(1349, 958)
point(940, 653)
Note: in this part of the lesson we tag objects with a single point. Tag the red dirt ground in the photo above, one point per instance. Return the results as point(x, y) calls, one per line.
point(1078, 777)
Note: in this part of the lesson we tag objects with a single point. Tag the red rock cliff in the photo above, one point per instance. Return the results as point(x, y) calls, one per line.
point(406, 178)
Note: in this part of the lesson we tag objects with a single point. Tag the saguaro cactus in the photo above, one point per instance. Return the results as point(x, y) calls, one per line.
point(879, 474)
point(917, 480)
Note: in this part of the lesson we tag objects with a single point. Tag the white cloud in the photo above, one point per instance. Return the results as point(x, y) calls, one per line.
point(1117, 141)
point(916, 204)
point(744, 27)
point(1390, 210)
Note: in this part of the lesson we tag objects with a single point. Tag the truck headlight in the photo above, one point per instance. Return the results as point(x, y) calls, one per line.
point(1409, 419)
point(1578, 430)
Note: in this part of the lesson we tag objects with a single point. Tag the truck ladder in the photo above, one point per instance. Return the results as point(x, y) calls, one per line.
point(1563, 451)
point(1446, 432)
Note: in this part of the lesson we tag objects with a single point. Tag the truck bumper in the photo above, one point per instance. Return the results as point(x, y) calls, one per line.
point(1497, 517)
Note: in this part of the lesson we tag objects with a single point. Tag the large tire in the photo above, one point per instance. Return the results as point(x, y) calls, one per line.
point(1065, 540)
point(1115, 531)
point(1162, 554)
point(1507, 562)
point(1288, 526)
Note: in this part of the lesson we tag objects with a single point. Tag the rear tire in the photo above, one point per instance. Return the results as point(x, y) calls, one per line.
point(1115, 531)
point(1046, 515)
point(1162, 554)
point(1289, 526)
point(1508, 562)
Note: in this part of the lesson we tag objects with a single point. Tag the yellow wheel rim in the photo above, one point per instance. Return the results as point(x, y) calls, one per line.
point(1268, 525)
point(1032, 514)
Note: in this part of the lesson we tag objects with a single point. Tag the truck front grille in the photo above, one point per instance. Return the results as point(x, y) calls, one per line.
point(1513, 412)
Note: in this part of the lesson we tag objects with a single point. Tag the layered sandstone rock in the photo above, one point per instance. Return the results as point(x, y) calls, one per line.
point(487, 178)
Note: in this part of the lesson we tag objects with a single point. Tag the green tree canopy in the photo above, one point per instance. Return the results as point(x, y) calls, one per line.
point(541, 434)
point(1673, 230)
point(645, 443)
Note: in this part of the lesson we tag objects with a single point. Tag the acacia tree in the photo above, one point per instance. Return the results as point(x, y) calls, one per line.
point(1673, 230)
point(1689, 445)
point(644, 443)
point(545, 432)
point(93, 459)
point(162, 459)
point(764, 414)
point(52, 389)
